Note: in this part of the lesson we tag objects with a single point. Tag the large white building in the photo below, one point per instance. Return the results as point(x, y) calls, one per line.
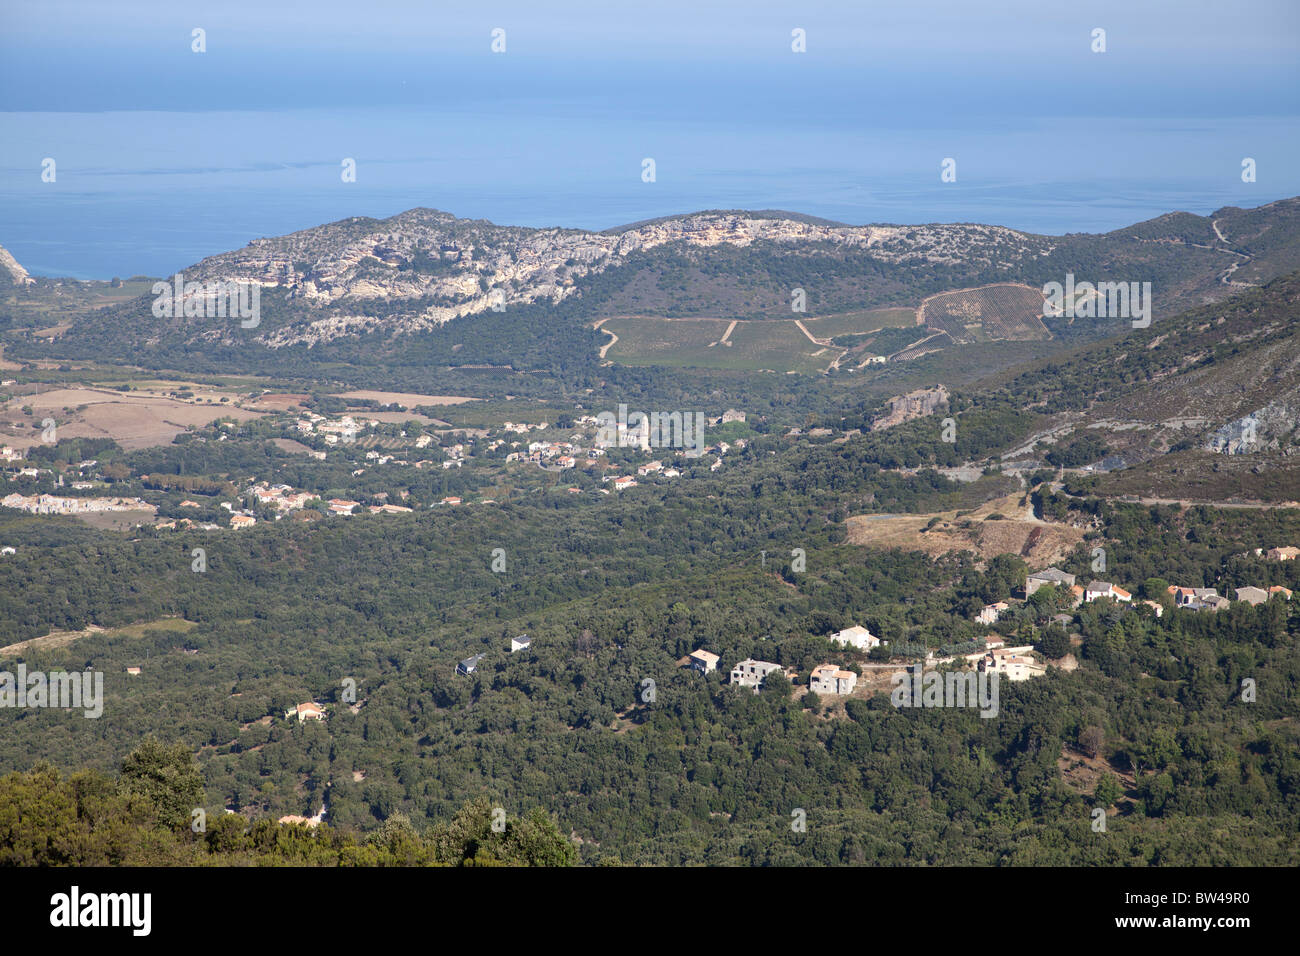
point(856, 636)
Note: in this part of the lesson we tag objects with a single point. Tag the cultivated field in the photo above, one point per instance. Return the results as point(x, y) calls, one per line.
point(406, 399)
point(132, 419)
point(855, 323)
point(643, 340)
point(49, 308)
point(776, 345)
point(1008, 312)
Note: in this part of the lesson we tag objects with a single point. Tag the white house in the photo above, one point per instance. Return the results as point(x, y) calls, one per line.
point(1155, 606)
point(856, 636)
point(1011, 665)
point(521, 643)
point(308, 711)
point(704, 661)
point(1103, 589)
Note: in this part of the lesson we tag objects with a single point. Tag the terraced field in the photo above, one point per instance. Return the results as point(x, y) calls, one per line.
point(803, 344)
point(776, 344)
point(1006, 312)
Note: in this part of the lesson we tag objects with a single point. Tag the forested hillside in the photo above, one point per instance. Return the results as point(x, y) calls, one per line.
point(613, 596)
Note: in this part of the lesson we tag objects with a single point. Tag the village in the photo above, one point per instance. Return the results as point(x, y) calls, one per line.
point(369, 444)
point(993, 656)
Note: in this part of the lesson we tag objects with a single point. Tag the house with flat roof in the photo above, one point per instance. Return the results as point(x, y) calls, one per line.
point(703, 661)
point(1013, 664)
point(752, 673)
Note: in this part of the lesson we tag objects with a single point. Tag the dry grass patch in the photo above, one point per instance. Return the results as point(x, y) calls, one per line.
point(133, 420)
point(407, 399)
point(57, 639)
point(1018, 532)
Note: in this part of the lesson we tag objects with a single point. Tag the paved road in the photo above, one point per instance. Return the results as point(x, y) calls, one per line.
point(1184, 503)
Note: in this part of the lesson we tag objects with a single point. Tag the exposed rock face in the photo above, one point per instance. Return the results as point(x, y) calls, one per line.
point(917, 404)
point(448, 267)
point(16, 272)
point(1261, 429)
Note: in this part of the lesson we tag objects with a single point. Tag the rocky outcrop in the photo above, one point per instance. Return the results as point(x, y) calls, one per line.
point(917, 404)
point(9, 265)
point(1262, 429)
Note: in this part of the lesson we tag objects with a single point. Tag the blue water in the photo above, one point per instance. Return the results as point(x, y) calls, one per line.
point(151, 192)
point(165, 155)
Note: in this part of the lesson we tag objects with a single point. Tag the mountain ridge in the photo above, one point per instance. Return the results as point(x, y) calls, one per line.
point(422, 269)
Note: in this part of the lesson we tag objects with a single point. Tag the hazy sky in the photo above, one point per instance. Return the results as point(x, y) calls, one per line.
point(165, 155)
point(1164, 57)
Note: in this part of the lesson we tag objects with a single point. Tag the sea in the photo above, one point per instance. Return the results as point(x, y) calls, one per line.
point(151, 192)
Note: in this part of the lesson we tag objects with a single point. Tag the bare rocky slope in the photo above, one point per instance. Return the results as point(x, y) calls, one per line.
point(11, 273)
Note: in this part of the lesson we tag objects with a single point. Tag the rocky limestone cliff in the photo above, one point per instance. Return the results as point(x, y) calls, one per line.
point(463, 267)
point(15, 272)
point(917, 404)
